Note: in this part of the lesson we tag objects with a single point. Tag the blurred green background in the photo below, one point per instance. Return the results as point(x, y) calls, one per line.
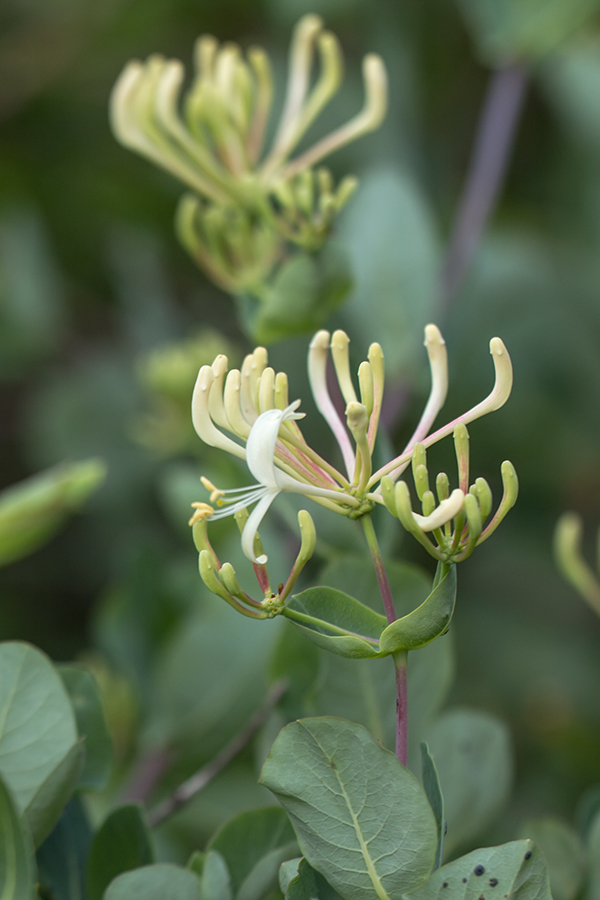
point(97, 299)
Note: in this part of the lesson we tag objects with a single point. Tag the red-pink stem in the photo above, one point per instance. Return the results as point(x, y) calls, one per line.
point(401, 708)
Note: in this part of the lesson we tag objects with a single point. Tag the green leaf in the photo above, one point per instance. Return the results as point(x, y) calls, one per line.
point(215, 881)
point(37, 725)
point(473, 756)
point(306, 290)
point(196, 862)
point(424, 624)
point(337, 622)
point(570, 80)
point(91, 725)
point(162, 881)
point(45, 807)
point(288, 871)
point(431, 785)
point(592, 845)
point(564, 854)
point(253, 845)
point(505, 30)
point(32, 511)
point(298, 661)
point(62, 858)
point(123, 842)
point(17, 863)
point(228, 655)
point(361, 818)
point(391, 236)
point(309, 885)
point(511, 870)
point(365, 693)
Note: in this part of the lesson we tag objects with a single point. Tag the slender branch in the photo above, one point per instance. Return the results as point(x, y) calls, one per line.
point(148, 772)
point(182, 794)
point(490, 156)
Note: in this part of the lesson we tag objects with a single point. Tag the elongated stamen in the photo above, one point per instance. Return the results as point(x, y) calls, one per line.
point(317, 374)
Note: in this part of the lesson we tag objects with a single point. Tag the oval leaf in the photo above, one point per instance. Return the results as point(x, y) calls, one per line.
point(337, 622)
point(63, 856)
point(473, 756)
point(563, 851)
point(91, 725)
point(122, 843)
point(424, 624)
point(431, 786)
point(251, 837)
point(17, 864)
point(309, 885)
point(46, 806)
point(162, 881)
point(511, 870)
point(37, 725)
point(361, 818)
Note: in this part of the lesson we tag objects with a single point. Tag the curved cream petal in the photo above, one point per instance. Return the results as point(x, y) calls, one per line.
point(443, 513)
point(252, 525)
point(260, 446)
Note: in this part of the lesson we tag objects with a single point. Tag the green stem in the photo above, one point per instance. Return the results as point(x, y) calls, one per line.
point(399, 658)
point(382, 579)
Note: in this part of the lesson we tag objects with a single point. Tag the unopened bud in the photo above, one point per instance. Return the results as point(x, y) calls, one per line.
point(308, 536)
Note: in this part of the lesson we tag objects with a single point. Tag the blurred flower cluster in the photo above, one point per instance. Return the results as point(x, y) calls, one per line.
point(247, 205)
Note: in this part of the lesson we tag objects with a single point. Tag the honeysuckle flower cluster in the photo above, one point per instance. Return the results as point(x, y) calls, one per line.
point(247, 412)
point(247, 201)
point(457, 520)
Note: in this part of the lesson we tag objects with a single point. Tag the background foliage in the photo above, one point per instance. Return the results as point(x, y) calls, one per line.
point(104, 321)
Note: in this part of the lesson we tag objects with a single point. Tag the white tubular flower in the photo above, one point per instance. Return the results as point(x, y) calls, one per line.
point(247, 413)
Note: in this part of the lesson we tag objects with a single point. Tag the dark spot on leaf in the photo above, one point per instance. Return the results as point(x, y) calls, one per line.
point(478, 870)
point(445, 828)
point(280, 588)
point(493, 882)
point(464, 880)
point(332, 764)
point(481, 897)
point(528, 854)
